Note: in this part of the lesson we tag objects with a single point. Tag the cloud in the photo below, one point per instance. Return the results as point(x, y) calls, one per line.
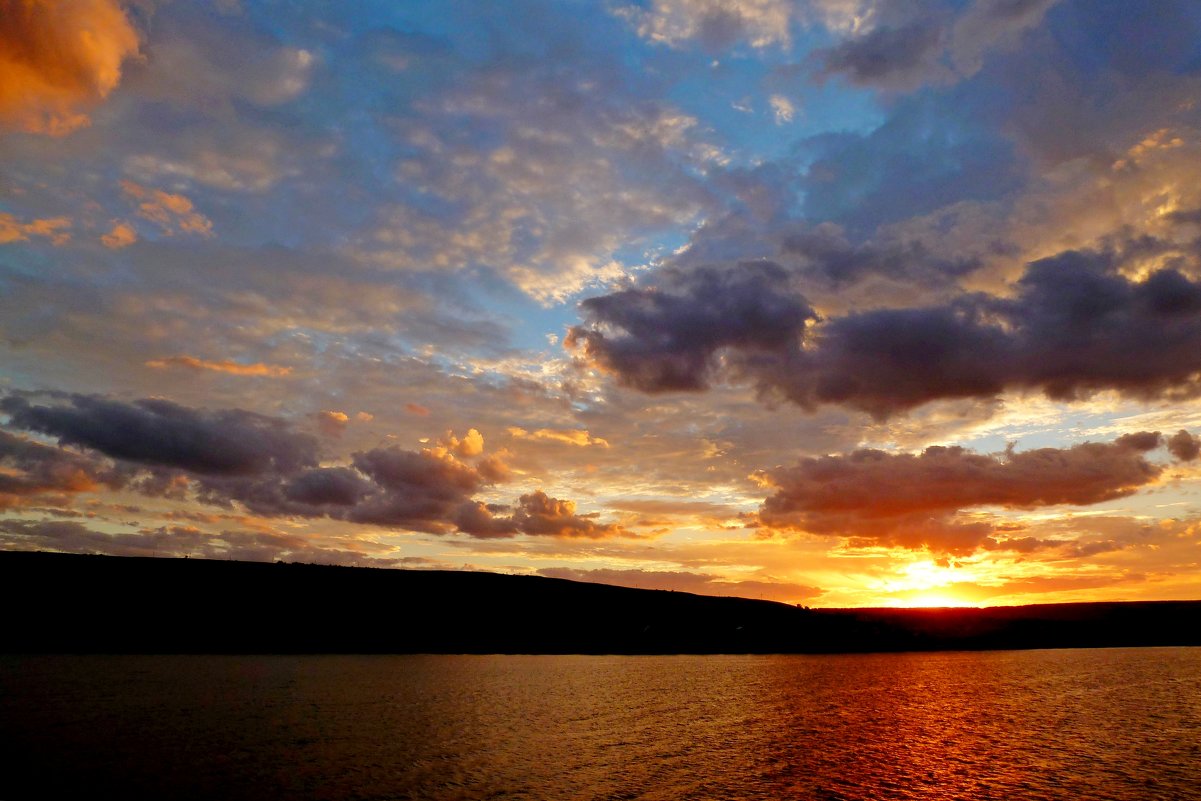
point(824, 254)
point(389, 487)
point(233, 456)
point(58, 58)
point(716, 24)
point(992, 24)
point(1184, 446)
point(913, 500)
point(29, 469)
point(720, 24)
point(537, 515)
point(677, 508)
point(668, 336)
point(220, 366)
point(122, 235)
point(156, 432)
point(908, 45)
point(484, 521)
point(332, 423)
point(472, 443)
point(249, 162)
point(567, 436)
point(503, 149)
point(327, 486)
point(332, 492)
point(1075, 325)
point(173, 213)
point(56, 229)
point(897, 58)
point(415, 490)
point(198, 62)
point(782, 108)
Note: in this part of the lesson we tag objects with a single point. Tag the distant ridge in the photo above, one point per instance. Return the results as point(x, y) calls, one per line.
point(68, 603)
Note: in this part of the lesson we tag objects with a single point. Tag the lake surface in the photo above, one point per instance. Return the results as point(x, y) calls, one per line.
point(1070, 724)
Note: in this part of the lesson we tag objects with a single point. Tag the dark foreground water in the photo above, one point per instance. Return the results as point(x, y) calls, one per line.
point(1100, 724)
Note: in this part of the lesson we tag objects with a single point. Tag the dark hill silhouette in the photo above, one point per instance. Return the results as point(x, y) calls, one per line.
point(97, 604)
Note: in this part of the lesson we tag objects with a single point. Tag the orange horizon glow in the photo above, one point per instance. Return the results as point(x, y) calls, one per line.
point(933, 600)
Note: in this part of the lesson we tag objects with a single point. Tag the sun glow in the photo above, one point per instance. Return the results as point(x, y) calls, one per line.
point(930, 600)
point(927, 583)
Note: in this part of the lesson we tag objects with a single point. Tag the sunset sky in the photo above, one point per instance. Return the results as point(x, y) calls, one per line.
point(832, 302)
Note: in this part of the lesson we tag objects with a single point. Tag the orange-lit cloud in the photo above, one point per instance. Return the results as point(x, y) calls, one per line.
point(57, 58)
point(417, 409)
point(30, 470)
point(171, 212)
point(874, 497)
point(568, 436)
point(223, 366)
point(539, 514)
point(53, 228)
point(122, 235)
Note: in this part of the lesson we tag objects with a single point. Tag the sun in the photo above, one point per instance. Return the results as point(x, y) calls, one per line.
point(925, 583)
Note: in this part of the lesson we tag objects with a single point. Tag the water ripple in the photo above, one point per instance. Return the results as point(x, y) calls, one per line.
point(1103, 725)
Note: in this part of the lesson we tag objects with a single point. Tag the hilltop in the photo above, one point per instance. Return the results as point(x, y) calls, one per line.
point(101, 604)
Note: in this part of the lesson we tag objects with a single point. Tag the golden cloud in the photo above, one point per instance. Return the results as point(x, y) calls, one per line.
point(472, 443)
point(568, 436)
point(57, 57)
point(223, 366)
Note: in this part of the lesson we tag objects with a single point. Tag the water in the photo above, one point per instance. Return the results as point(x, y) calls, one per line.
point(1099, 724)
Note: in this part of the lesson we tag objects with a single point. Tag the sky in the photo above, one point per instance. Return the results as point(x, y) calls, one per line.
point(830, 302)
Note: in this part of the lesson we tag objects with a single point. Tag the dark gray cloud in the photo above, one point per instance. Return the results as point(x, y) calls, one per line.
point(1184, 446)
point(825, 253)
point(913, 500)
point(535, 514)
point(900, 57)
point(228, 457)
point(161, 433)
point(314, 492)
point(419, 490)
point(923, 43)
point(327, 486)
point(1075, 325)
point(667, 336)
